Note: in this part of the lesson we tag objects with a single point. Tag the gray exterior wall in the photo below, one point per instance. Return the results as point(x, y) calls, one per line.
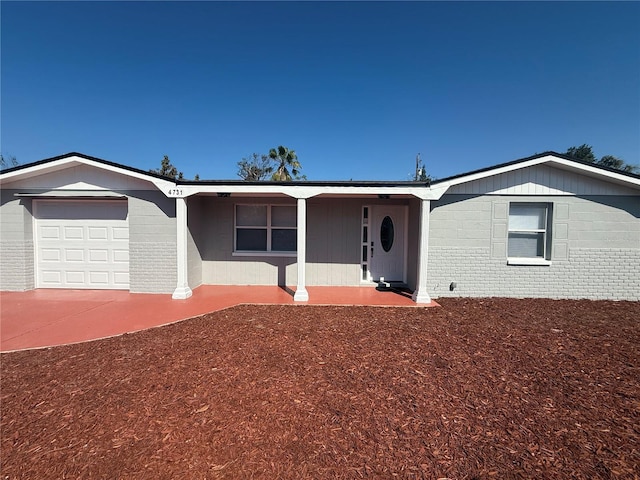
point(333, 244)
point(334, 247)
point(195, 220)
point(17, 271)
point(595, 248)
point(413, 243)
point(152, 242)
point(214, 242)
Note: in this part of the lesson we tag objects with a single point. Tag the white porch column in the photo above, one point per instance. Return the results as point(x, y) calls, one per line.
point(301, 294)
point(421, 294)
point(182, 289)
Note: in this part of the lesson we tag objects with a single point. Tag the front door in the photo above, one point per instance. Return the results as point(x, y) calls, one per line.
point(387, 243)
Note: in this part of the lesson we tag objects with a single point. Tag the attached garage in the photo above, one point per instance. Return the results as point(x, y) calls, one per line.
point(81, 244)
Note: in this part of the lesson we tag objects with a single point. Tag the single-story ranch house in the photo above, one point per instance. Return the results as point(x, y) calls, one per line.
point(543, 226)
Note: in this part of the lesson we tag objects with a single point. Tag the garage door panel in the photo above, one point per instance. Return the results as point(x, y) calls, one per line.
point(49, 232)
point(50, 255)
point(98, 233)
point(121, 278)
point(74, 278)
point(120, 233)
point(82, 244)
point(99, 279)
point(121, 256)
point(51, 277)
point(98, 256)
point(74, 255)
point(73, 233)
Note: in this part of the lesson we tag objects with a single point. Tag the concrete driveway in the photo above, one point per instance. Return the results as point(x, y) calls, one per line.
point(42, 318)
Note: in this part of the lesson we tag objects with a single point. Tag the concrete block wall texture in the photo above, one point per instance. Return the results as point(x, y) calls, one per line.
point(595, 274)
point(16, 265)
point(590, 257)
point(152, 242)
point(17, 259)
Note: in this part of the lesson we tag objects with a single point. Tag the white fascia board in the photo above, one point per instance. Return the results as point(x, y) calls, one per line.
point(74, 160)
point(301, 191)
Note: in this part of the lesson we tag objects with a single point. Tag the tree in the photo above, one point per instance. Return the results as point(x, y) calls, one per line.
point(421, 172)
point(284, 160)
point(8, 162)
point(617, 163)
point(255, 168)
point(168, 170)
point(585, 153)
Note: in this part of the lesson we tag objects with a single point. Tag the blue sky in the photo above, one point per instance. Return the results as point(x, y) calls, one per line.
point(357, 89)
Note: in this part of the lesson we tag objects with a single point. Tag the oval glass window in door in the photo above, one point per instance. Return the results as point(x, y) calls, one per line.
point(386, 233)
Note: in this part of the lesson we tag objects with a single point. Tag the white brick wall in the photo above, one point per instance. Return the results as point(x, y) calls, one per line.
point(594, 273)
point(16, 265)
point(156, 270)
point(152, 243)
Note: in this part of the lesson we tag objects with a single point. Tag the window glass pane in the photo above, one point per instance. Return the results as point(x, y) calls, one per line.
point(283, 240)
point(251, 215)
point(364, 253)
point(364, 234)
point(254, 239)
point(526, 217)
point(526, 245)
point(283, 216)
point(386, 233)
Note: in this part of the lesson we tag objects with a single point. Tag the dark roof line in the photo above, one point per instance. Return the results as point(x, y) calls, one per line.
point(87, 157)
point(312, 183)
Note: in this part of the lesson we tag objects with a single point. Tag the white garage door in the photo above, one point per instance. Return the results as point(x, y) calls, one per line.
point(82, 244)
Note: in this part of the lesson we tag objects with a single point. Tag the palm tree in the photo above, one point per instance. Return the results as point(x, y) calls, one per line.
point(284, 159)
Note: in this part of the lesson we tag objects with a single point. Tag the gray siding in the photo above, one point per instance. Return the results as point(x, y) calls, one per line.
point(214, 241)
point(540, 180)
point(333, 244)
point(413, 232)
point(595, 249)
point(195, 219)
point(152, 242)
point(17, 271)
point(333, 241)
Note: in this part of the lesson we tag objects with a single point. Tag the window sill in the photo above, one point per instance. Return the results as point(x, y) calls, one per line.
point(264, 254)
point(528, 261)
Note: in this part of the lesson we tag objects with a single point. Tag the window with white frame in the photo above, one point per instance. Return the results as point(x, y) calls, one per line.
point(529, 231)
point(265, 228)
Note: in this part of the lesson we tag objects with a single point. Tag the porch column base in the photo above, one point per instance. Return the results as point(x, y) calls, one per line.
point(420, 296)
point(180, 293)
point(301, 295)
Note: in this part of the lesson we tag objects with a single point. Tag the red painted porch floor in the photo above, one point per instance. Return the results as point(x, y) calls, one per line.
point(42, 318)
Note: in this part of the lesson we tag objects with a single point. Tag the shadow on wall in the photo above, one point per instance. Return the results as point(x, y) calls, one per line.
point(333, 230)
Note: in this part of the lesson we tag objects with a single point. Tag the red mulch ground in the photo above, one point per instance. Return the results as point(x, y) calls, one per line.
point(477, 389)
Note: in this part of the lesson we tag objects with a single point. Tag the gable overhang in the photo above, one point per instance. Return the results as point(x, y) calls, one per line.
point(51, 165)
point(440, 187)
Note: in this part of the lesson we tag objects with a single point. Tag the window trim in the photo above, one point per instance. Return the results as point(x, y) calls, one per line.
point(268, 227)
point(545, 259)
